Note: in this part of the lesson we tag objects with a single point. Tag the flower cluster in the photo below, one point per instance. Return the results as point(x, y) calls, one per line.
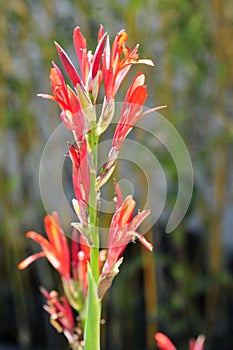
point(86, 272)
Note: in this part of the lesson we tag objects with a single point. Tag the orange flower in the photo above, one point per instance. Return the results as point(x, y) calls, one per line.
point(132, 109)
point(164, 343)
point(90, 64)
point(55, 248)
point(123, 230)
point(115, 68)
point(71, 114)
point(61, 316)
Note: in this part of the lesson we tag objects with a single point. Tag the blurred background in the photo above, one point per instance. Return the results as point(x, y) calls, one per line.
point(185, 287)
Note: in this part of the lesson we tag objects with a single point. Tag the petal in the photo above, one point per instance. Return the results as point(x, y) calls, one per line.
point(198, 344)
point(101, 32)
point(97, 56)
point(145, 61)
point(29, 260)
point(137, 220)
point(47, 247)
point(126, 211)
point(138, 97)
point(50, 97)
point(80, 45)
point(142, 240)
point(150, 110)
point(163, 342)
point(58, 240)
point(119, 199)
point(68, 65)
point(57, 79)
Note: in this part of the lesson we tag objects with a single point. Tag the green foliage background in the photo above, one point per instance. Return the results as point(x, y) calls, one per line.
point(186, 287)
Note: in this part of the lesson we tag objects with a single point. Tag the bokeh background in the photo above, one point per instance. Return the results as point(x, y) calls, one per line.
point(185, 288)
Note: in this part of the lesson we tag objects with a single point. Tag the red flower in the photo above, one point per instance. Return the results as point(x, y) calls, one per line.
point(197, 344)
point(115, 67)
point(163, 342)
point(55, 249)
point(122, 230)
point(80, 171)
point(90, 64)
point(61, 316)
point(71, 115)
point(132, 109)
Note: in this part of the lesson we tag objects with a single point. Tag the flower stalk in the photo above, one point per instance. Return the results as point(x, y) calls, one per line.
point(92, 327)
point(86, 271)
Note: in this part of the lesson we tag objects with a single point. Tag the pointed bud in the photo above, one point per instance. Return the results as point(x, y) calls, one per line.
point(106, 116)
point(108, 168)
point(86, 103)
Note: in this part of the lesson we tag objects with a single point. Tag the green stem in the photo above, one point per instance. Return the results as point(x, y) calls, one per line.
point(92, 328)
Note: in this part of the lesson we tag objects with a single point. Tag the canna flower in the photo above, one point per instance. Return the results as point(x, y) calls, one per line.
point(55, 248)
point(90, 64)
point(132, 110)
point(61, 317)
point(115, 68)
point(122, 230)
point(164, 343)
point(71, 115)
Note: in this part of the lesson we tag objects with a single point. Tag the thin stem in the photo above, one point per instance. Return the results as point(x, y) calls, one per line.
point(92, 328)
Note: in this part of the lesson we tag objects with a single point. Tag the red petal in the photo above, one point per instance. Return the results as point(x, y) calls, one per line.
point(137, 220)
point(198, 344)
point(163, 342)
point(29, 260)
point(143, 240)
point(119, 200)
point(80, 45)
point(97, 56)
point(101, 32)
point(126, 211)
point(47, 247)
point(138, 96)
point(68, 65)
